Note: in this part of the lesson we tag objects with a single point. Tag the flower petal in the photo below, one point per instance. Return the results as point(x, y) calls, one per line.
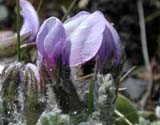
point(107, 47)
point(118, 45)
point(111, 45)
point(72, 23)
point(43, 31)
point(86, 39)
point(50, 41)
point(31, 20)
point(55, 39)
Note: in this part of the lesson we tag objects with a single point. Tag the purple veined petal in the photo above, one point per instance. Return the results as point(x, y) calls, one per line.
point(111, 45)
point(66, 53)
point(71, 24)
point(55, 39)
point(43, 31)
point(31, 20)
point(46, 61)
point(107, 47)
point(50, 41)
point(86, 39)
point(118, 45)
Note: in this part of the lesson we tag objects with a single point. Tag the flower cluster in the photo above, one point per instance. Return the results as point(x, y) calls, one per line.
point(78, 40)
point(81, 39)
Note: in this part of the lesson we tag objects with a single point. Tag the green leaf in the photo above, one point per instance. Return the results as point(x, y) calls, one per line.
point(53, 118)
point(155, 123)
point(125, 106)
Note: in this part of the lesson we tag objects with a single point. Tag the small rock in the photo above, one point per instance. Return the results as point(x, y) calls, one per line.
point(6, 61)
point(157, 111)
point(83, 3)
point(6, 34)
point(3, 12)
point(1, 1)
point(135, 87)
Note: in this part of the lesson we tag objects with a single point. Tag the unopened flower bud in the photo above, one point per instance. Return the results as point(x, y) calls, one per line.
point(20, 93)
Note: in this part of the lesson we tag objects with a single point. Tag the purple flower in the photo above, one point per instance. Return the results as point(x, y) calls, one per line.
point(80, 39)
point(31, 20)
point(91, 35)
point(50, 41)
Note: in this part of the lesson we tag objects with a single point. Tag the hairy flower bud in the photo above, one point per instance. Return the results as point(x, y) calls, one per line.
point(20, 94)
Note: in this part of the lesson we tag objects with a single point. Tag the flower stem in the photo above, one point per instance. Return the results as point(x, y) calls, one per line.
point(91, 97)
point(39, 6)
point(127, 74)
point(145, 52)
point(68, 10)
point(123, 117)
point(18, 31)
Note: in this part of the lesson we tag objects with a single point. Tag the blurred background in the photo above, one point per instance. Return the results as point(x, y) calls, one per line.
point(124, 15)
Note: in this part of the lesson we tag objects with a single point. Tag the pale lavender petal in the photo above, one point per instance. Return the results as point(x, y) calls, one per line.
point(25, 28)
point(31, 20)
point(71, 24)
point(55, 39)
point(86, 39)
point(43, 31)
